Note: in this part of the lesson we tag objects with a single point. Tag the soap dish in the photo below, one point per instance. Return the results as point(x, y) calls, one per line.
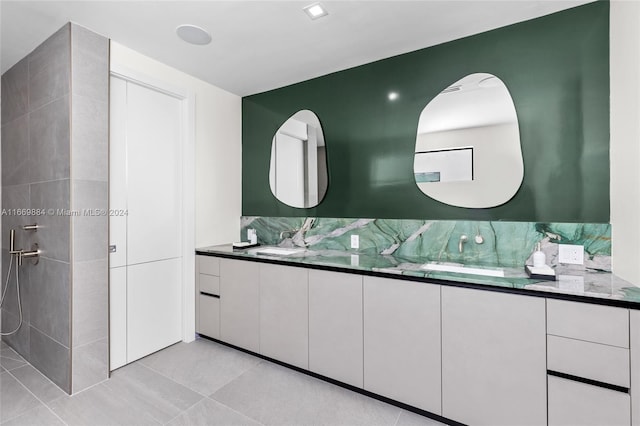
point(244, 245)
point(540, 272)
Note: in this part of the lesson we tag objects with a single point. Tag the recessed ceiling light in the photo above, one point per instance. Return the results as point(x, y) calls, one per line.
point(393, 96)
point(193, 34)
point(315, 11)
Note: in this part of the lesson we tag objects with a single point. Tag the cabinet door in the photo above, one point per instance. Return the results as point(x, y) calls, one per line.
point(284, 314)
point(208, 265)
point(208, 319)
point(493, 358)
point(240, 304)
point(335, 326)
point(635, 366)
point(573, 403)
point(402, 341)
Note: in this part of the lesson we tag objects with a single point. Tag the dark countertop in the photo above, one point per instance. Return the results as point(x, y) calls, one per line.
point(588, 286)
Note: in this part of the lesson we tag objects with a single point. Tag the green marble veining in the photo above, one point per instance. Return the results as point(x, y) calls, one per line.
point(504, 243)
point(631, 293)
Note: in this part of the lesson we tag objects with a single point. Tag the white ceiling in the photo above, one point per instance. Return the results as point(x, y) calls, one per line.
point(478, 100)
point(263, 45)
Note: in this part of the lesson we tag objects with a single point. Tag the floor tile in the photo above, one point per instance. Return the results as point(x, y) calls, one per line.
point(202, 365)
point(171, 387)
point(9, 359)
point(99, 406)
point(37, 383)
point(208, 412)
point(407, 418)
point(14, 398)
point(275, 395)
point(39, 416)
point(151, 393)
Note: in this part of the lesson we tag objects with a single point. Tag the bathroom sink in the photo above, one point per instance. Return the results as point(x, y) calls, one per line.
point(463, 269)
point(276, 251)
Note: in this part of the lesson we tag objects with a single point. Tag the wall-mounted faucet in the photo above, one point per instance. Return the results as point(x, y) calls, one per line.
point(12, 241)
point(463, 239)
point(21, 254)
point(289, 234)
point(33, 254)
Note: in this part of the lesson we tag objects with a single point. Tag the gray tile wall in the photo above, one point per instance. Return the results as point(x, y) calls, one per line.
point(36, 119)
point(55, 156)
point(90, 193)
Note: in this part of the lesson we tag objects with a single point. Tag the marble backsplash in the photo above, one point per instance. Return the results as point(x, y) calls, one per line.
point(508, 244)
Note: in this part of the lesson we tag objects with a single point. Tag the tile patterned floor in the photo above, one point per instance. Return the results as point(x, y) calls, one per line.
point(200, 383)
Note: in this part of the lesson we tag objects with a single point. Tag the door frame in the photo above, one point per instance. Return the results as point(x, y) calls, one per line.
point(187, 212)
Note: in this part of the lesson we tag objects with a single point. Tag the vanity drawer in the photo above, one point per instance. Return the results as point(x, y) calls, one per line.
point(209, 284)
point(584, 321)
point(608, 364)
point(573, 403)
point(209, 316)
point(209, 265)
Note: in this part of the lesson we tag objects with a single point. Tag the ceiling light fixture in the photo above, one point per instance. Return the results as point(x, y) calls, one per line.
point(393, 96)
point(315, 11)
point(193, 34)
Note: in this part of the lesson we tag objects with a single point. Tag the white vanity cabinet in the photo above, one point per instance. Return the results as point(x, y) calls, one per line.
point(634, 323)
point(493, 358)
point(402, 341)
point(474, 356)
point(573, 403)
point(588, 353)
point(208, 296)
point(335, 326)
point(240, 304)
point(284, 314)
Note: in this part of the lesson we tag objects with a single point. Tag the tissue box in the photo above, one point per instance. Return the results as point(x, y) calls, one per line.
point(540, 273)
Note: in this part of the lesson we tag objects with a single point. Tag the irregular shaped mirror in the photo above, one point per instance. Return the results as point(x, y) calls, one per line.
point(468, 151)
point(298, 171)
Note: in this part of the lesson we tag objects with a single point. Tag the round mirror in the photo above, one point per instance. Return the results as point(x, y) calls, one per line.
point(298, 170)
point(468, 151)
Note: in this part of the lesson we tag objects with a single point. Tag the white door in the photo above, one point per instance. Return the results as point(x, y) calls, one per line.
point(145, 182)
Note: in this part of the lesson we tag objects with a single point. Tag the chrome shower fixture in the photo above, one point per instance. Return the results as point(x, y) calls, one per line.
point(21, 254)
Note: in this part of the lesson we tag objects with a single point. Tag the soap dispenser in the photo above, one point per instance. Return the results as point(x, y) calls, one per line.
point(252, 236)
point(539, 258)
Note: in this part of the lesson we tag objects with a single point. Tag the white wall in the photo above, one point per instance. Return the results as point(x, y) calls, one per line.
point(625, 138)
point(218, 146)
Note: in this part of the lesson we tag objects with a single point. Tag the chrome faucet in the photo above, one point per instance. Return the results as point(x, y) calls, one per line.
point(289, 234)
point(21, 254)
point(463, 239)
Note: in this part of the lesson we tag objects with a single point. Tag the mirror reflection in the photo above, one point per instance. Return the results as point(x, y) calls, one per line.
point(444, 165)
point(298, 170)
point(468, 151)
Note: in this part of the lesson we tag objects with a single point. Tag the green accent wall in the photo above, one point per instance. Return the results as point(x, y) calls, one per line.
point(557, 71)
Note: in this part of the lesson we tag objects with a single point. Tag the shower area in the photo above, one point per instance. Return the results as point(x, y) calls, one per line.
point(55, 133)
